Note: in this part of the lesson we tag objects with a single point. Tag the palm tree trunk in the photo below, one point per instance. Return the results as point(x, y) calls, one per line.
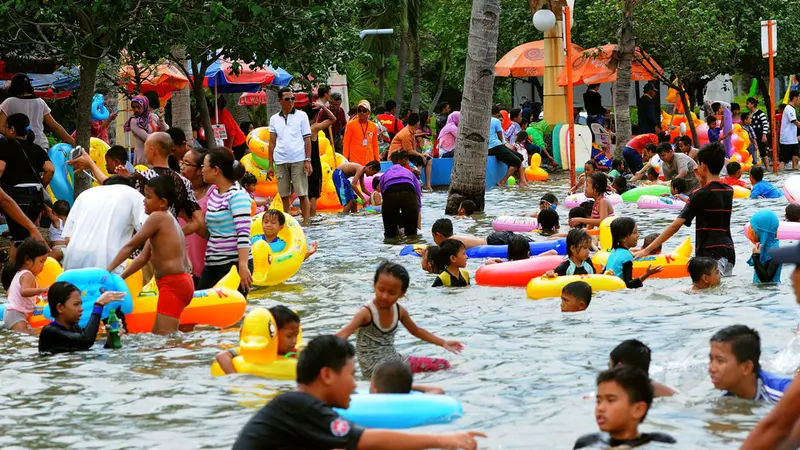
point(468, 180)
point(439, 86)
point(416, 92)
point(623, 59)
point(402, 69)
point(181, 100)
point(88, 75)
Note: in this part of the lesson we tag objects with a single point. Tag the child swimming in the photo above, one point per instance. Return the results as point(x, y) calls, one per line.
point(734, 177)
point(453, 257)
point(635, 353)
point(704, 272)
point(395, 377)
point(761, 188)
point(624, 396)
point(66, 305)
point(624, 235)
point(763, 232)
point(58, 217)
point(792, 212)
point(377, 322)
point(430, 259)
point(272, 222)
point(466, 208)
point(578, 261)
point(548, 221)
point(443, 229)
point(596, 189)
point(288, 323)
point(589, 168)
point(548, 201)
point(19, 280)
point(678, 191)
point(576, 296)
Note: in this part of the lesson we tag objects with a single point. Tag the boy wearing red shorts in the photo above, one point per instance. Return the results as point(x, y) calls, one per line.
point(165, 247)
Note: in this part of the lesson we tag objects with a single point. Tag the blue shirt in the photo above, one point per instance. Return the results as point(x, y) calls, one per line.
point(764, 189)
point(769, 388)
point(713, 135)
point(494, 128)
point(277, 245)
point(617, 258)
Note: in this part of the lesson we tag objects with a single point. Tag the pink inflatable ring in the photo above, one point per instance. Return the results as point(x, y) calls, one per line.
point(575, 200)
point(653, 202)
point(515, 224)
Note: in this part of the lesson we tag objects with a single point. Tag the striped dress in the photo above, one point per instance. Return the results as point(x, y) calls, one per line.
point(228, 222)
point(375, 344)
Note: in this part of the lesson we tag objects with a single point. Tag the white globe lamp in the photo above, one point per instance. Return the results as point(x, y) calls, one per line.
point(544, 20)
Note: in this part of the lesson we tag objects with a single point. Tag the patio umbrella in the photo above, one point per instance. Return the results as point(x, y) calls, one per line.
point(260, 98)
point(59, 84)
point(162, 79)
point(591, 67)
point(526, 60)
point(220, 78)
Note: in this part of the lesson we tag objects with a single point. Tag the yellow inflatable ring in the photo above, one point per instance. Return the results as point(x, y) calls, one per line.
point(741, 192)
point(284, 264)
point(327, 154)
point(328, 199)
point(97, 151)
point(264, 187)
point(544, 287)
point(258, 141)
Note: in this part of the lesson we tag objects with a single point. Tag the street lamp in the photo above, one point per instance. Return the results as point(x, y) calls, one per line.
point(545, 20)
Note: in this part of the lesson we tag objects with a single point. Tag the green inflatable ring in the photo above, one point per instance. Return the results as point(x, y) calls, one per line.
point(654, 189)
point(261, 162)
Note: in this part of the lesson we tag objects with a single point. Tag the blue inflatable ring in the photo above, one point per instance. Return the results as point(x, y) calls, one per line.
point(99, 110)
point(62, 182)
point(501, 251)
point(401, 410)
point(93, 282)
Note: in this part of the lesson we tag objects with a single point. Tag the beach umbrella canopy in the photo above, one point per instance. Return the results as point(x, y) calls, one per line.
point(162, 79)
point(526, 60)
point(219, 77)
point(260, 98)
point(591, 67)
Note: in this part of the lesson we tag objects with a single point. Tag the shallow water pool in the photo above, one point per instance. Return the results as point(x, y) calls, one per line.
point(522, 378)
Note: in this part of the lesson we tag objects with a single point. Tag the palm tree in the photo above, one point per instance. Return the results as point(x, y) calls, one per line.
point(622, 60)
point(414, 21)
point(181, 101)
point(468, 180)
point(402, 55)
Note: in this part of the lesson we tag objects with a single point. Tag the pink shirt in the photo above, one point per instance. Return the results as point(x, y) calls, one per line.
point(196, 244)
point(16, 302)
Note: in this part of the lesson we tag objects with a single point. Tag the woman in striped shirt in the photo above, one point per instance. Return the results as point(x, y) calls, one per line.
point(227, 221)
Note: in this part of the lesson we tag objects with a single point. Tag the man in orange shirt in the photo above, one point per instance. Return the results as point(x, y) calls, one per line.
point(361, 137)
point(406, 139)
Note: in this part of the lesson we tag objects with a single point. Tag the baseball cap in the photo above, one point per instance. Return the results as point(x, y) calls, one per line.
point(786, 255)
point(649, 87)
point(365, 104)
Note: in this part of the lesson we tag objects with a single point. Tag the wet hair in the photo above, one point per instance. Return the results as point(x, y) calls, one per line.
point(621, 228)
point(633, 381)
point(119, 179)
point(549, 198)
point(592, 163)
point(699, 266)
point(680, 185)
point(733, 168)
point(283, 316)
point(581, 290)
point(711, 121)
point(686, 140)
point(620, 183)
point(757, 172)
point(394, 270)
point(177, 135)
point(20, 86)
point(752, 100)
point(518, 248)
point(323, 351)
point(548, 219)
point(575, 237)
point(579, 212)
point(21, 125)
point(118, 153)
point(450, 247)
point(393, 377)
point(618, 164)
point(275, 213)
point(443, 227)
point(376, 181)
point(30, 249)
point(745, 343)
point(223, 159)
point(663, 147)
point(58, 294)
point(632, 353)
point(432, 254)
point(468, 206)
point(649, 240)
point(164, 187)
point(413, 119)
point(248, 179)
point(599, 182)
point(61, 207)
point(374, 165)
point(792, 212)
point(713, 156)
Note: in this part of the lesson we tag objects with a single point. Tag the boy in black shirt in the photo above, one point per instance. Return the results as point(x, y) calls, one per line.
point(304, 419)
point(624, 395)
point(711, 205)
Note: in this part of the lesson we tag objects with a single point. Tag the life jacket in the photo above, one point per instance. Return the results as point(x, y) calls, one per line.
point(447, 279)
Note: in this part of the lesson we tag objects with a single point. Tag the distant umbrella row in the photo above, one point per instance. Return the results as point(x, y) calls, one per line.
point(162, 78)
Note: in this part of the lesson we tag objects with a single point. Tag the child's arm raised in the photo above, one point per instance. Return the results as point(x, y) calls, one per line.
point(138, 262)
point(149, 229)
point(359, 320)
point(427, 336)
point(27, 286)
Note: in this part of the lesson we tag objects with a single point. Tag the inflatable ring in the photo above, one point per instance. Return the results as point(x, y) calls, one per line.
point(654, 189)
point(791, 189)
point(543, 287)
point(789, 231)
point(575, 200)
point(99, 110)
point(515, 224)
point(93, 282)
point(397, 411)
point(495, 251)
point(327, 155)
point(61, 186)
point(97, 151)
point(258, 349)
point(653, 202)
point(258, 142)
point(740, 192)
point(265, 187)
point(49, 274)
point(328, 199)
point(516, 273)
point(286, 263)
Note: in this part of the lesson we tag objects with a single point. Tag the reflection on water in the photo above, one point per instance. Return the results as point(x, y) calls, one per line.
point(522, 377)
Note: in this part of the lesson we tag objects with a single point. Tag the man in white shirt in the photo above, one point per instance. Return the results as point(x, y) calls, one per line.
point(290, 152)
point(102, 220)
point(789, 148)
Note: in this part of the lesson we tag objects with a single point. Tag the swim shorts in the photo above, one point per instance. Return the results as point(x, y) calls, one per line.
point(174, 294)
point(343, 187)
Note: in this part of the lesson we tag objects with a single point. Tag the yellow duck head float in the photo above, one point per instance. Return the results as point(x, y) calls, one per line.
point(259, 339)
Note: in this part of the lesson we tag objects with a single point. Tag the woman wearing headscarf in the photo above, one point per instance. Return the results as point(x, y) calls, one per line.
point(448, 134)
point(763, 232)
point(142, 124)
point(22, 101)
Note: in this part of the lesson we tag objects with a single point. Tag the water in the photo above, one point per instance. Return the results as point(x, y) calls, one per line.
point(522, 378)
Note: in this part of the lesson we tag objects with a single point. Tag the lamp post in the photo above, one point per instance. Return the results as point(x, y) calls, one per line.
point(544, 20)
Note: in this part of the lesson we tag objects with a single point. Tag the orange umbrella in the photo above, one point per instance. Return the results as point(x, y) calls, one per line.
point(591, 67)
point(526, 60)
point(163, 78)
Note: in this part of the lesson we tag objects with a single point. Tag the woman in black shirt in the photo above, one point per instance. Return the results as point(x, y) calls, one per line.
point(25, 172)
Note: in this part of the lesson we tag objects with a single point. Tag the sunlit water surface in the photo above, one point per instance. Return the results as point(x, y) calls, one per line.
point(523, 378)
